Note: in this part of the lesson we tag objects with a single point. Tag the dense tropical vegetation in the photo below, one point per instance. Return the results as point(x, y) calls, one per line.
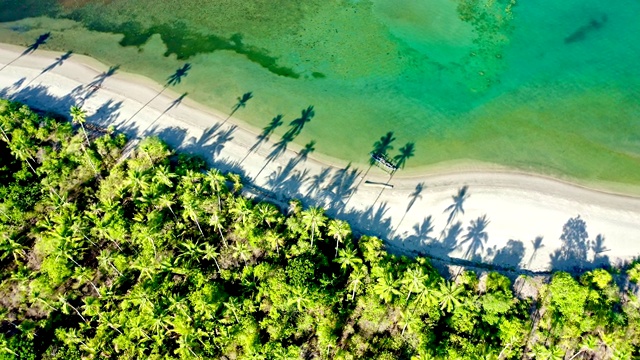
point(146, 254)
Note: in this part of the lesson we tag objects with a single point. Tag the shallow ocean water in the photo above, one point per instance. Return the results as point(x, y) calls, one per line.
point(546, 86)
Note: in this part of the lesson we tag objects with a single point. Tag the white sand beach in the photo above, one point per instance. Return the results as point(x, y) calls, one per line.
point(519, 207)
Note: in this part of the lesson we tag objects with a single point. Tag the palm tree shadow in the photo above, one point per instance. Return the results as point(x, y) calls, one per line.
point(450, 241)
point(13, 88)
point(59, 61)
point(316, 182)
point(380, 148)
point(172, 80)
point(406, 152)
point(278, 149)
point(413, 197)
point(242, 103)
point(177, 101)
point(378, 220)
point(458, 203)
point(264, 136)
point(203, 141)
point(421, 232)
point(598, 248)
point(221, 139)
point(285, 183)
point(177, 77)
point(298, 124)
point(100, 79)
point(267, 131)
point(106, 114)
point(41, 40)
point(476, 236)
point(537, 245)
point(340, 189)
point(304, 153)
point(85, 92)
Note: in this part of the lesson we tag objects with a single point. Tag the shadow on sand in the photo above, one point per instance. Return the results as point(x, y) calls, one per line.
point(331, 188)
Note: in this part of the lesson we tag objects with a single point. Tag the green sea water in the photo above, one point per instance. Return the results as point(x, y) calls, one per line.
point(548, 86)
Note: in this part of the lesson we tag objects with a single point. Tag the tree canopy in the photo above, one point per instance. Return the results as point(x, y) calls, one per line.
point(153, 256)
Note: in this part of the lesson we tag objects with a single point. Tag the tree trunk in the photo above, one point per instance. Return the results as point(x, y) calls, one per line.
point(576, 354)
point(222, 236)
point(198, 223)
point(85, 133)
point(95, 171)
point(313, 230)
point(28, 163)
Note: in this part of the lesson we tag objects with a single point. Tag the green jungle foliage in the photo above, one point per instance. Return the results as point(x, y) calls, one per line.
point(145, 254)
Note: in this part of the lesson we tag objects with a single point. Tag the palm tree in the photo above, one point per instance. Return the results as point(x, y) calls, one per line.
point(65, 306)
point(190, 252)
point(240, 249)
point(236, 180)
point(11, 247)
point(409, 321)
point(541, 352)
point(147, 266)
point(300, 297)
point(105, 260)
point(79, 116)
point(22, 147)
point(274, 240)
point(136, 181)
point(348, 257)
point(313, 218)
point(449, 293)
point(295, 207)
point(210, 252)
point(164, 176)
point(190, 212)
point(85, 275)
point(340, 230)
point(241, 210)
point(266, 213)
point(426, 295)
point(233, 305)
point(357, 276)
point(414, 281)
point(166, 201)
point(216, 182)
point(387, 287)
point(215, 220)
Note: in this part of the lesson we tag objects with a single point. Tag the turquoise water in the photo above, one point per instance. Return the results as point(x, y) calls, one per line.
point(546, 86)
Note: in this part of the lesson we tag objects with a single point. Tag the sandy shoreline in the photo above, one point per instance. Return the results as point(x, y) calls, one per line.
point(519, 206)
